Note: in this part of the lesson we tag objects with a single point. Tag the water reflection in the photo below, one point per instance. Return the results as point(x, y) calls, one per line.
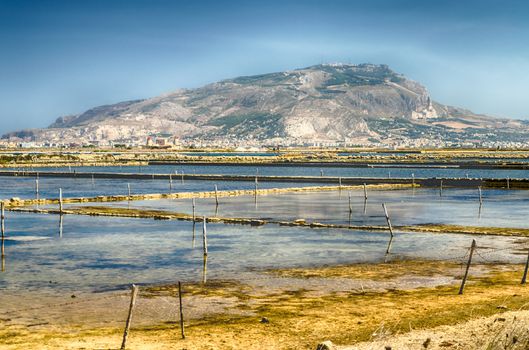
point(60, 225)
point(205, 269)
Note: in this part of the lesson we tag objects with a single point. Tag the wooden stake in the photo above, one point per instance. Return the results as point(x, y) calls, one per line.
point(340, 183)
point(524, 278)
point(182, 177)
point(350, 207)
point(216, 196)
point(441, 188)
point(129, 317)
point(472, 247)
point(413, 179)
point(181, 310)
point(508, 183)
point(255, 192)
point(321, 172)
point(3, 218)
point(60, 200)
point(128, 187)
point(170, 182)
point(480, 197)
point(37, 187)
point(204, 237)
point(387, 219)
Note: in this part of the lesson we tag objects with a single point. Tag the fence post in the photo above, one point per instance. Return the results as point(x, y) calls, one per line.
point(524, 278)
point(216, 196)
point(181, 310)
point(472, 247)
point(60, 201)
point(3, 218)
point(129, 317)
point(204, 237)
point(387, 219)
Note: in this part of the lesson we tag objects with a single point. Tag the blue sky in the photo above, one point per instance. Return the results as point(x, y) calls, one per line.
point(63, 57)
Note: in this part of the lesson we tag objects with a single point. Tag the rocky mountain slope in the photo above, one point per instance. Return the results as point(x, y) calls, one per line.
point(326, 104)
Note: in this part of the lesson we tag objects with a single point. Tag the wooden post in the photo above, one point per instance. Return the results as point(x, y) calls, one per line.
point(480, 196)
point(182, 177)
point(216, 196)
point(3, 218)
point(365, 192)
point(204, 237)
point(37, 187)
point(128, 187)
point(413, 179)
point(340, 182)
point(472, 247)
point(60, 201)
point(389, 174)
point(524, 278)
point(508, 183)
point(170, 182)
point(321, 172)
point(387, 219)
point(181, 310)
point(350, 207)
point(441, 188)
point(193, 203)
point(255, 192)
point(129, 317)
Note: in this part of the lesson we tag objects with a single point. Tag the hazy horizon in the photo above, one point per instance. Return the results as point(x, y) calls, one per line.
point(64, 57)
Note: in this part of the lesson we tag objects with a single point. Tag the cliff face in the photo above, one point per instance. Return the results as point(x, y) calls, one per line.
point(353, 103)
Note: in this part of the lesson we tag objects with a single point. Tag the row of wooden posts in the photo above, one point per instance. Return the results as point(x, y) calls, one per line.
point(135, 288)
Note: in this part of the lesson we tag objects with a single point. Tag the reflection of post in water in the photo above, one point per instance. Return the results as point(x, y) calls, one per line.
point(3, 255)
point(60, 225)
point(193, 242)
point(37, 188)
point(205, 269)
point(479, 211)
point(350, 217)
point(365, 206)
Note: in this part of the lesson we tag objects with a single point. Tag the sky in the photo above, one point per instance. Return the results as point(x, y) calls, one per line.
point(63, 57)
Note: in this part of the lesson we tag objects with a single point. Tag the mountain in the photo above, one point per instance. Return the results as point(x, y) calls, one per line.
point(325, 104)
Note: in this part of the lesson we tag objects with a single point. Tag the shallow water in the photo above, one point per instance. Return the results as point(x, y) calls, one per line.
point(501, 208)
point(25, 187)
point(98, 253)
point(379, 172)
